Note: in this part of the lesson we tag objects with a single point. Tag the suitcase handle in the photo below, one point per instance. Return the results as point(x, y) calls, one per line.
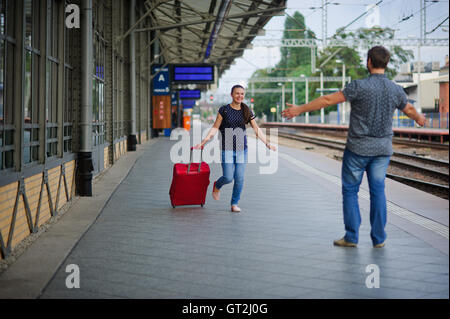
point(199, 164)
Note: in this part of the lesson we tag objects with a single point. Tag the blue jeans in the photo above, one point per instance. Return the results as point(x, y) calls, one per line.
point(233, 166)
point(353, 168)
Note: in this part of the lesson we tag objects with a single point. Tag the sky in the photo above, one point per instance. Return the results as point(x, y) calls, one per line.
point(391, 12)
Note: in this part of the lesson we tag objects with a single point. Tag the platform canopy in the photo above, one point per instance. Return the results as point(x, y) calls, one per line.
point(214, 31)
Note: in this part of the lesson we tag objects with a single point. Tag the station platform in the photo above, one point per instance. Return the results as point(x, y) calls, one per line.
point(129, 242)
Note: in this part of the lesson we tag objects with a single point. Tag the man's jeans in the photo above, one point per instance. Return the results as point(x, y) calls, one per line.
point(353, 168)
point(233, 166)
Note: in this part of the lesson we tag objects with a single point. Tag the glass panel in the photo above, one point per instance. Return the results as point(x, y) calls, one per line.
point(50, 27)
point(10, 23)
point(8, 78)
point(28, 105)
point(9, 159)
point(9, 134)
point(28, 22)
point(55, 29)
point(27, 155)
point(48, 104)
point(36, 23)
point(2, 83)
point(35, 89)
point(101, 102)
point(27, 136)
point(2, 26)
point(54, 115)
point(35, 135)
point(35, 153)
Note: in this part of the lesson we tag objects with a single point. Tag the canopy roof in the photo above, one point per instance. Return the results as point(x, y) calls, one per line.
point(214, 31)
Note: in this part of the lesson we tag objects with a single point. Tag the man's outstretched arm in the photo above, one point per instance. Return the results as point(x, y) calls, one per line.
point(314, 105)
point(411, 112)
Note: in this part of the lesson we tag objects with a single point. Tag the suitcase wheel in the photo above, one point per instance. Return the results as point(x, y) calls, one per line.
point(173, 206)
point(202, 205)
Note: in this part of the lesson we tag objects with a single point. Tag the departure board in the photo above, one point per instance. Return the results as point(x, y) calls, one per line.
point(193, 73)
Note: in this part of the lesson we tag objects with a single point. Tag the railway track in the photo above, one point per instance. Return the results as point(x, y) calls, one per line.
point(434, 174)
point(422, 144)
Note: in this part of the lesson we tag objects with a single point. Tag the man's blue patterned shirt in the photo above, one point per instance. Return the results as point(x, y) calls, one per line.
point(373, 102)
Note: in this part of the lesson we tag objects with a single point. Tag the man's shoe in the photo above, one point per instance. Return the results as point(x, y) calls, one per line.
point(343, 243)
point(380, 245)
point(215, 195)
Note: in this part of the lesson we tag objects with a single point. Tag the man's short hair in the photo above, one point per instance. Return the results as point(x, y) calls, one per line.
point(379, 56)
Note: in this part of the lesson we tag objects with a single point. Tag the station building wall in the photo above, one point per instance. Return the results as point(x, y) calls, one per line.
point(40, 98)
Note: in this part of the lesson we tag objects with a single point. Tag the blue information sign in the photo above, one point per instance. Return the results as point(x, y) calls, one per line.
point(188, 103)
point(193, 73)
point(190, 94)
point(161, 81)
point(174, 98)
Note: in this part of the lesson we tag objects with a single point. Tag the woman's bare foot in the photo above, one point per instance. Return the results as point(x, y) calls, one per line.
point(235, 209)
point(215, 192)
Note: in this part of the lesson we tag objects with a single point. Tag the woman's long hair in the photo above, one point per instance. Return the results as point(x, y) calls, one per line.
point(245, 109)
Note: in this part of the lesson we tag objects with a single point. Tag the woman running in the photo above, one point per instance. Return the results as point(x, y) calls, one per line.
point(231, 121)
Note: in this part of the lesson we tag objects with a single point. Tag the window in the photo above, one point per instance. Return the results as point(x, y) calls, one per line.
point(119, 98)
point(7, 50)
point(98, 110)
point(436, 105)
point(51, 106)
point(98, 115)
point(68, 89)
point(31, 96)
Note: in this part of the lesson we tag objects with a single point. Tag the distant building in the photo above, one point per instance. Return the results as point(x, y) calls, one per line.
point(408, 78)
point(443, 88)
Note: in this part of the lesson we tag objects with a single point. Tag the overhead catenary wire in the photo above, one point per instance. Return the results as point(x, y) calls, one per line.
point(360, 16)
point(437, 26)
point(408, 31)
point(412, 15)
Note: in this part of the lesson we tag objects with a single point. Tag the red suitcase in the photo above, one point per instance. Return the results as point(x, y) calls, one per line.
point(189, 183)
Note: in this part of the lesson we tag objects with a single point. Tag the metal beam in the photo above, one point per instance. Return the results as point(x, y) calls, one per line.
point(349, 42)
point(299, 79)
point(157, 3)
point(234, 16)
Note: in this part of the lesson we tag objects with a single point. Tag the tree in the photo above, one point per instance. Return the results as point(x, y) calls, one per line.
point(293, 62)
point(398, 54)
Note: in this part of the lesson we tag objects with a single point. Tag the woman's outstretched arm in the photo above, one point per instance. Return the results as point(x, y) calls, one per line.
point(211, 132)
point(259, 134)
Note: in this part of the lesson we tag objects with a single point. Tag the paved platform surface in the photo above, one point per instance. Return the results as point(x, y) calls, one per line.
point(280, 246)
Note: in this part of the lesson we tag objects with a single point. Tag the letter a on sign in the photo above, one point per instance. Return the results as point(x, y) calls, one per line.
point(161, 78)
